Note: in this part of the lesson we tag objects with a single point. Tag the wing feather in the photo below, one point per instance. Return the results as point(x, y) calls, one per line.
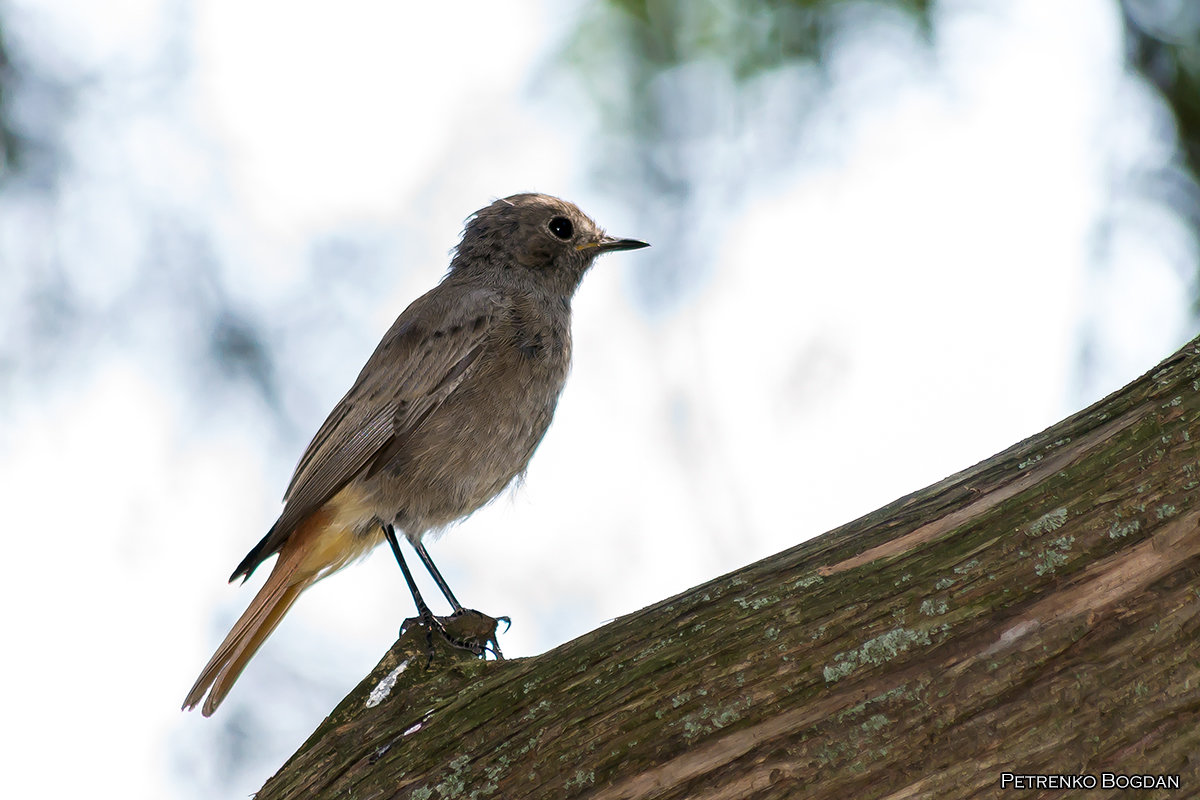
point(426, 354)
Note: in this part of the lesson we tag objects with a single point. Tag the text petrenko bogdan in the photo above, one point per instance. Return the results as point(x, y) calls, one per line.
point(1105, 780)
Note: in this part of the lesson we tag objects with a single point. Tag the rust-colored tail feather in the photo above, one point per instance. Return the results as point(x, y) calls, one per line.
point(252, 629)
point(294, 572)
point(323, 543)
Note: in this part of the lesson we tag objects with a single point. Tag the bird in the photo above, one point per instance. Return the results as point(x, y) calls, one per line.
point(446, 413)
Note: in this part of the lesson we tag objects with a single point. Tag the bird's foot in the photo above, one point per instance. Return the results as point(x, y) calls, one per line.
point(478, 628)
point(466, 629)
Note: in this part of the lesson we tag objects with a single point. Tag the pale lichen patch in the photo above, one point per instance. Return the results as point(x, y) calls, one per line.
point(876, 722)
point(963, 569)
point(581, 779)
point(1050, 521)
point(881, 649)
point(1120, 530)
point(1048, 562)
point(933, 608)
point(807, 581)
point(533, 712)
point(708, 719)
point(1053, 556)
point(454, 783)
point(756, 603)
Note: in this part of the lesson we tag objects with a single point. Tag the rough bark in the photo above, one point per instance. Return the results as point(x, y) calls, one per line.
point(1036, 613)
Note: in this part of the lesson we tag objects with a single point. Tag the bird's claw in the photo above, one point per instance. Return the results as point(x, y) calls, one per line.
point(465, 629)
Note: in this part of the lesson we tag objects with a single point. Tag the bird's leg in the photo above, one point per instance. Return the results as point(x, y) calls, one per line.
point(423, 554)
point(426, 617)
point(436, 574)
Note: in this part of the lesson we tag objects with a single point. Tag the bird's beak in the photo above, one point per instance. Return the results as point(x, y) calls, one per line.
point(610, 243)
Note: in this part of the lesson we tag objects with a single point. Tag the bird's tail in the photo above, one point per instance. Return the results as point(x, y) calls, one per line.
point(252, 629)
point(322, 544)
point(303, 559)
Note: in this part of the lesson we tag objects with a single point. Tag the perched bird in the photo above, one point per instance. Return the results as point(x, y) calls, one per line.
point(447, 412)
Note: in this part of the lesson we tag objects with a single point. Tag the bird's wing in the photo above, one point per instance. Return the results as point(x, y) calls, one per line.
point(430, 349)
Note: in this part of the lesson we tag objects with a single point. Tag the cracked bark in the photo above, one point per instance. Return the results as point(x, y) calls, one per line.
point(1036, 613)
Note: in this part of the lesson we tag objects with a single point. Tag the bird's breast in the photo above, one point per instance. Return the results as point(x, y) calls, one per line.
point(485, 432)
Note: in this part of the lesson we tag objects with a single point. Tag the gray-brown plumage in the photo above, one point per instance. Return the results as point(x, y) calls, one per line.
point(447, 411)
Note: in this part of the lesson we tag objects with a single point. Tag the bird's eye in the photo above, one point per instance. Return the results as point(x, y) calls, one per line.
point(562, 228)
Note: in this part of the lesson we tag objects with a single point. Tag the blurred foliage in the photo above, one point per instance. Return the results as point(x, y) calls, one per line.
point(118, 236)
point(751, 37)
point(650, 37)
point(633, 57)
point(1163, 44)
point(10, 141)
point(34, 105)
point(695, 96)
point(93, 255)
point(692, 99)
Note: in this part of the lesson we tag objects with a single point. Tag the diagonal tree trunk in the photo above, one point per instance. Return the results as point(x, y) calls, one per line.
point(1034, 614)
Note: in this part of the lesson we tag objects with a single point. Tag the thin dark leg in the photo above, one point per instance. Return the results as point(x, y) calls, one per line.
point(422, 609)
point(437, 577)
point(426, 617)
point(445, 587)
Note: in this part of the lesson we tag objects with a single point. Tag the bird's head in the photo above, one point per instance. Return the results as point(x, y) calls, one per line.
point(537, 237)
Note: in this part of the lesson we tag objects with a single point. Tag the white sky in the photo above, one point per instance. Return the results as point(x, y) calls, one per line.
point(873, 323)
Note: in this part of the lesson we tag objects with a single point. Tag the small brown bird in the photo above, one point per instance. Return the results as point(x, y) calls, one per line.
point(447, 412)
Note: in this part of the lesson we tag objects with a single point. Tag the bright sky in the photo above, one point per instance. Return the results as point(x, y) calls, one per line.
point(874, 322)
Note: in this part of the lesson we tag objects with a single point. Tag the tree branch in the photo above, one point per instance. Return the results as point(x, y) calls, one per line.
point(1036, 613)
